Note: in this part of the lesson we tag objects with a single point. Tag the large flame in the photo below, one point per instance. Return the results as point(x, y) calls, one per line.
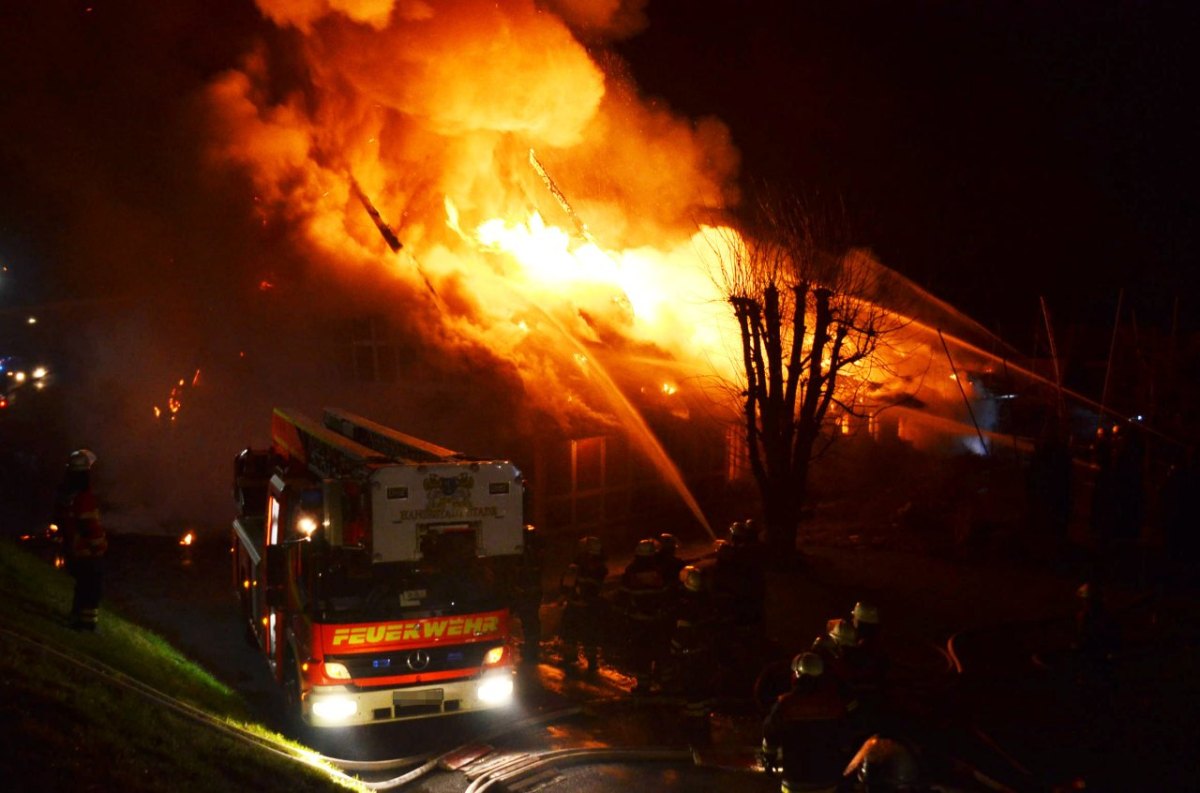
point(542, 204)
point(436, 110)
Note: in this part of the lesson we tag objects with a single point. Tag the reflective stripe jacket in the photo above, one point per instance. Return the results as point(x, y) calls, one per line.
point(84, 535)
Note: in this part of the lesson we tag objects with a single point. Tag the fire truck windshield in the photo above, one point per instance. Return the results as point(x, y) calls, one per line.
point(348, 593)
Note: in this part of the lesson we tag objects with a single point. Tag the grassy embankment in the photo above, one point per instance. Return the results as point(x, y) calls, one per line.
point(72, 718)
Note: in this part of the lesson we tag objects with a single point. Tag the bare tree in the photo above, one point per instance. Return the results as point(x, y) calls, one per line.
point(811, 330)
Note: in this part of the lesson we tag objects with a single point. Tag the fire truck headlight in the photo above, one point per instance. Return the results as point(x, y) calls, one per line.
point(494, 656)
point(336, 671)
point(334, 708)
point(495, 689)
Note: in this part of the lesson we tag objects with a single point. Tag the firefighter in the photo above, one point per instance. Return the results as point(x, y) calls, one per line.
point(582, 587)
point(865, 618)
point(527, 595)
point(692, 651)
point(868, 673)
point(84, 540)
point(740, 587)
point(725, 583)
point(750, 564)
point(644, 595)
point(837, 648)
point(668, 559)
point(804, 734)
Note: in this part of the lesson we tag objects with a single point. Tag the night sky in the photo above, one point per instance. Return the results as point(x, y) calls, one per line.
point(994, 151)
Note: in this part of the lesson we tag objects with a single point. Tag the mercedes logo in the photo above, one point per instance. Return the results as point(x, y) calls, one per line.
point(417, 661)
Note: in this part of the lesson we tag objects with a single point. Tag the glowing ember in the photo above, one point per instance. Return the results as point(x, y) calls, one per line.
point(188, 538)
point(175, 398)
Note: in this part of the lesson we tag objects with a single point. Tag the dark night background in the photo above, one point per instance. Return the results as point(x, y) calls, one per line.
point(991, 151)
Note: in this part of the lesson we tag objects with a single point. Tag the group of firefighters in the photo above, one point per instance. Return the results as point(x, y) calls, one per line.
point(818, 708)
point(670, 611)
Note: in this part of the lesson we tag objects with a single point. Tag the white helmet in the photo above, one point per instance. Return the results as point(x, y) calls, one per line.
point(646, 547)
point(81, 460)
point(865, 613)
point(808, 665)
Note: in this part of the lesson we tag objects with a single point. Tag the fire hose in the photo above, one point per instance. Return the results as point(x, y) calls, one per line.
point(434, 761)
point(545, 760)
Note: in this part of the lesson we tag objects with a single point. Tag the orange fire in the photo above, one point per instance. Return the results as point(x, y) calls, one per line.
point(538, 200)
point(175, 397)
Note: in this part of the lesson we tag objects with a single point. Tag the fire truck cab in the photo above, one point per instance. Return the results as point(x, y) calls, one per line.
point(370, 568)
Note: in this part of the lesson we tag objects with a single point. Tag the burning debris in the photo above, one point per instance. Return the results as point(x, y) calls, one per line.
point(450, 117)
point(175, 398)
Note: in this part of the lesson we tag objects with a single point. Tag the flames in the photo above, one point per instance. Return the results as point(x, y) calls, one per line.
point(532, 191)
point(533, 196)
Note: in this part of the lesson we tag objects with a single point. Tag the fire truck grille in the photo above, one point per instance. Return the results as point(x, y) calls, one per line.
point(408, 662)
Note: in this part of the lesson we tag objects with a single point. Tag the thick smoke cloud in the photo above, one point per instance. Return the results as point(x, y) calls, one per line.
point(187, 176)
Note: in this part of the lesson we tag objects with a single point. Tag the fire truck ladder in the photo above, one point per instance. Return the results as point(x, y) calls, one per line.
point(323, 452)
point(387, 441)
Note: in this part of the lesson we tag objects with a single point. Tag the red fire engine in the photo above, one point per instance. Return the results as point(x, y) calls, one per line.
point(368, 564)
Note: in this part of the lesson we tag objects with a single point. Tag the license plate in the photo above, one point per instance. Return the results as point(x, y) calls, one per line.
point(415, 697)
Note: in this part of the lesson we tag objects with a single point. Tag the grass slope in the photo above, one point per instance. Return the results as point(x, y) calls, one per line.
point(64, 726)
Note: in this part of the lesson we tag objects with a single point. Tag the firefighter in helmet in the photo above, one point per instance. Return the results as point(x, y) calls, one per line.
point(868, 665)
point(838, 648)
point(668, 559)
point(582, 587)
point(804, 734)
point(692, 650)
point(84, 539)
point(865, 618)
point(644, 596)
point(749, 565)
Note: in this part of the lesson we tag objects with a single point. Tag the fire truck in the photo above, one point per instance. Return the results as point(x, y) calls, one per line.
point(370, 568)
